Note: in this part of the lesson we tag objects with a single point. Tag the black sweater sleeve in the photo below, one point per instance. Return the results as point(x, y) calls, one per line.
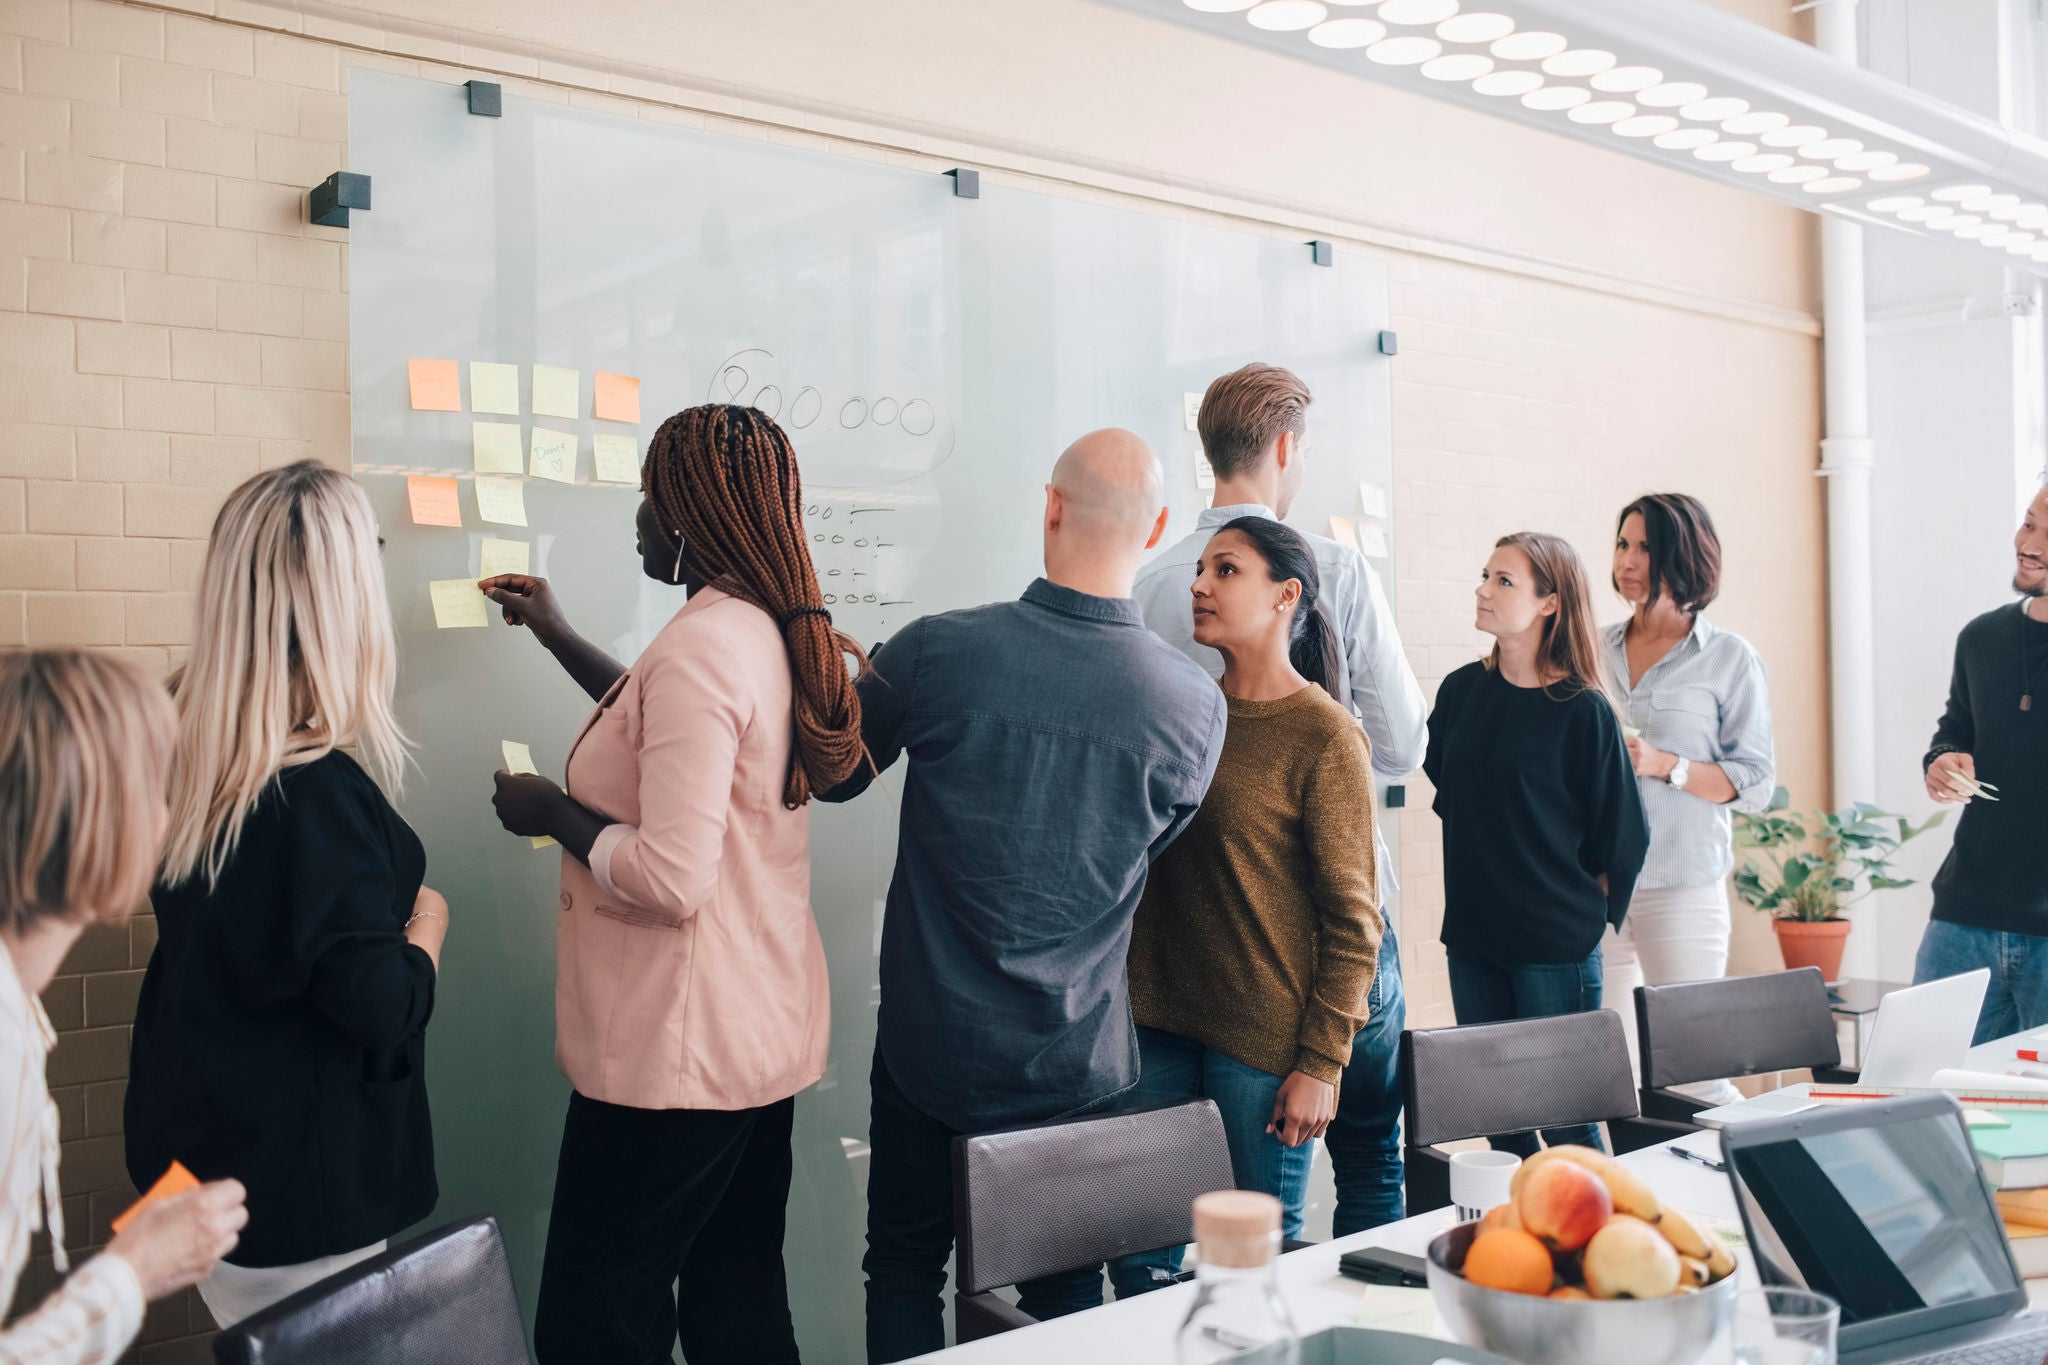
point(336, 935)
point(1956, 731)
point(1617, 829)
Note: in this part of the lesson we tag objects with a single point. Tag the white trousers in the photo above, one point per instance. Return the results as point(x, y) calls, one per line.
point(234, 1292)
point(1671, 934)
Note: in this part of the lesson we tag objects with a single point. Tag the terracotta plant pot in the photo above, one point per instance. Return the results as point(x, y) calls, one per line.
point(1813, 943)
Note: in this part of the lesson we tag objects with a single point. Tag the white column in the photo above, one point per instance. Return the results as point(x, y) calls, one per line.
point(1846, 460)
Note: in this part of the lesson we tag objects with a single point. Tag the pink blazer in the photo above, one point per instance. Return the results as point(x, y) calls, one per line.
point(691, 975)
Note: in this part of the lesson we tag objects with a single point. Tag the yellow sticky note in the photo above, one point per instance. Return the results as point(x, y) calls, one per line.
point(616, 458)
point(495, 446)
point(434, 501)
point(555, 391)
point(553, 455)
point(502, 556)
point(1344, 531)
point(617, 398)
point(434, 385)
point(501, 500)
point(457, 603)
point(493, 387)
point(519, 759)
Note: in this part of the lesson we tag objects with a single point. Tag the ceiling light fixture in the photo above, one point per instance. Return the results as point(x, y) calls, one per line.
point(1691, 86)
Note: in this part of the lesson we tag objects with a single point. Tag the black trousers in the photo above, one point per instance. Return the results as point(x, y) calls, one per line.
point(667, 1225)
point(910, 1233)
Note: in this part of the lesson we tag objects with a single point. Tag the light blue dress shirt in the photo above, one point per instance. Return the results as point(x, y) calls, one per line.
point(1707, 701)
point(1373, 671)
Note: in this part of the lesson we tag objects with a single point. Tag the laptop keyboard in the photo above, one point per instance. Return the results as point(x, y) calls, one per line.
point(2028, 1348)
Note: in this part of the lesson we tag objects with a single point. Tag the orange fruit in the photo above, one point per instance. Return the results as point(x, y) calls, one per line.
point(1510, 1259)
point(1500, 1216)
point(1570, 1291)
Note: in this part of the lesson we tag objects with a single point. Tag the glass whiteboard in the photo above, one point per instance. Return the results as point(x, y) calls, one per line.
point(930, 356)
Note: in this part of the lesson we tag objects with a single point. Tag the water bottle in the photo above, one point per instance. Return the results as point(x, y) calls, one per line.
point(1238, 1313)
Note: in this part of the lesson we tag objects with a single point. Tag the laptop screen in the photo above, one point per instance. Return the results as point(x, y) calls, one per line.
point(1885, 1219)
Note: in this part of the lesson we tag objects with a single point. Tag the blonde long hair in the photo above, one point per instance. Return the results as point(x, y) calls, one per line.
point(85, 742)
point(292, 658)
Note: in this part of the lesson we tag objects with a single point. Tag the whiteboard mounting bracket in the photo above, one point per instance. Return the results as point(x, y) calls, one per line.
point(966, 183)
point(328, 202)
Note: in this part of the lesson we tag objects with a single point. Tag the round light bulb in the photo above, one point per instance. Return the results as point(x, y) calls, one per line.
point(1602, 111)
point(1863, 161)
point(1893, 203)
point(1686, 139)
point(1457, 66)
point(1672, 94)
point(1715, 110)
point(1984, 203)
point(1552, 98)
point(1833, 184)
point(1758, 165)
point(1403, 51)
point(1578, 63)
point(1626, 80)
point(1956, 194)
point(1798, 175)
point(1726, 151)
point(1507, 84)
point(1417, 11)
point(1646, 125)
point(1529, 47)
point(1755, 123)
point(1798, 135)
point(1475, 28)
point(1831, 149)
point(1287, 16)
point(1905, 170)
point(1346, 33)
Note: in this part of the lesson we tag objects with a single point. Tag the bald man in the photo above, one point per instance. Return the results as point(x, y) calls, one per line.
point(1055, 746)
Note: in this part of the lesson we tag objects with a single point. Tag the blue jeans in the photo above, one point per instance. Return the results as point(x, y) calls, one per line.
point(910, 1232)
point(1364, 1140)
point(1174, 1070)
point(1488, 992)
point(2016, 999)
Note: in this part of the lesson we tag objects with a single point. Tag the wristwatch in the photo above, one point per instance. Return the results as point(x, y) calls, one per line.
point(1681, 773)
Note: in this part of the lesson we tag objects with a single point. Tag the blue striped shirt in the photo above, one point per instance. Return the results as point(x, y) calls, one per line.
point(1707, 701)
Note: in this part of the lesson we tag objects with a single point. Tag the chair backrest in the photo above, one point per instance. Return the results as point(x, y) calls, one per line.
point(1486, 1080)
point(1736, 1026)
point(1036, 1201)
point(445, 1297)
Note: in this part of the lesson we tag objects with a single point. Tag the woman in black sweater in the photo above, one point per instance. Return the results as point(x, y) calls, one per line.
point(280, 1035)
point(1544, 830)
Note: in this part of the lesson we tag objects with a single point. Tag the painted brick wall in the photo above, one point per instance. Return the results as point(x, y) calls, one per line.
point(169, 324)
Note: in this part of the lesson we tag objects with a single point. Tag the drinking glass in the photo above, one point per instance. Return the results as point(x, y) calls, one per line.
point(1778, 1325)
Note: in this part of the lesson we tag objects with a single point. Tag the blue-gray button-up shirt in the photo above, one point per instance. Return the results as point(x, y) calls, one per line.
point(1056, 746)
point(1708, 701)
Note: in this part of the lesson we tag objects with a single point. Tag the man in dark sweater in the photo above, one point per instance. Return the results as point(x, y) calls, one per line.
point(1991, 895)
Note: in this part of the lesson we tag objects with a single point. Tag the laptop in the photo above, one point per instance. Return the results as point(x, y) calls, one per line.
point(1918, 1031)
point(1882, 1207)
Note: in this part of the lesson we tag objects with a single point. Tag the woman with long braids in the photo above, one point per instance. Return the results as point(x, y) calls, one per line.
point(1255, 947)
point(691, 1001)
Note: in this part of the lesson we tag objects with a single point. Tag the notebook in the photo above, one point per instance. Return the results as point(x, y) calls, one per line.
point(2015, 1156)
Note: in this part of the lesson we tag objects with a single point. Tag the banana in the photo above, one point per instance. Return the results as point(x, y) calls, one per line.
point(1630, 1194)
point(1693, 1242)
point(1693, 1273)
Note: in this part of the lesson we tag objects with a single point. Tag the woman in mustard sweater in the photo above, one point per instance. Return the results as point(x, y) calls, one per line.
point(1254, 948)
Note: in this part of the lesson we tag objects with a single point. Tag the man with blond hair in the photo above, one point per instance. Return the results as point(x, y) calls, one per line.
point(1054, 747)
point(1254, 426)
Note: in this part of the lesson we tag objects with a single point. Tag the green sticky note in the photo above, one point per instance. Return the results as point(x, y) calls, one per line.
point(495, 446)
point(555, 391)
point(457, 603)
point(617, 458)
point(501, 500)
point(493, 388)
point(502, 556)
point(553, 455)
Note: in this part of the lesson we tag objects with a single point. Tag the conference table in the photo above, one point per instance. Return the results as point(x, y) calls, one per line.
point(1140, 1331)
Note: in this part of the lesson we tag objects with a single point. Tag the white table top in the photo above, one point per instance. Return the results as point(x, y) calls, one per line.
point(1138, 1331)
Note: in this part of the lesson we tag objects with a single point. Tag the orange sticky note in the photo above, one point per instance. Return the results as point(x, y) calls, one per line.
point(176, 1180)
point(434, 385)
point(434, 501)
point(618, 398)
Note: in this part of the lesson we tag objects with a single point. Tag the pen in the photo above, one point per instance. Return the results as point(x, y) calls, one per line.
point(1687, 1154)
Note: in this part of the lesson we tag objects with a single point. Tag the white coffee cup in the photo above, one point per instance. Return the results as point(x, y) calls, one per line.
point(1479, 1181)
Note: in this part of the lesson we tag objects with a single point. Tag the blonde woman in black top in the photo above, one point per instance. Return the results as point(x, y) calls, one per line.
point(1544, 830)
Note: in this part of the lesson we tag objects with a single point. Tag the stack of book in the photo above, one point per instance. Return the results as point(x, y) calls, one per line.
point(2013, 1148)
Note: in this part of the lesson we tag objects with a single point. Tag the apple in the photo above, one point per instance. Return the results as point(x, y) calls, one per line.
point(1564, 1204)
point(1629, 1259)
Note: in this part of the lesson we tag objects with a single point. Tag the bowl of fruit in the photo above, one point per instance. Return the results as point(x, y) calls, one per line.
point(1584, 1266)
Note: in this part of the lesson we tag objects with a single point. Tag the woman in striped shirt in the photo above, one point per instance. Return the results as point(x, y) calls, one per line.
point(84, 744)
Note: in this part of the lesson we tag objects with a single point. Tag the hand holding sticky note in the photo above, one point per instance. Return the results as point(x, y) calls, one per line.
point(434, 501)
point(458, 604)
point(519, 759)
point(502, 557)
point(175, 1181)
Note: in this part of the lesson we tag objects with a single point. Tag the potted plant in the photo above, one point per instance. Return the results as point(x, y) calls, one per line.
point(1818, 864)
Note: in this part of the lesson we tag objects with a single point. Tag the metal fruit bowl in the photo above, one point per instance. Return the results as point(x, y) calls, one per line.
point(1675, 1331)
